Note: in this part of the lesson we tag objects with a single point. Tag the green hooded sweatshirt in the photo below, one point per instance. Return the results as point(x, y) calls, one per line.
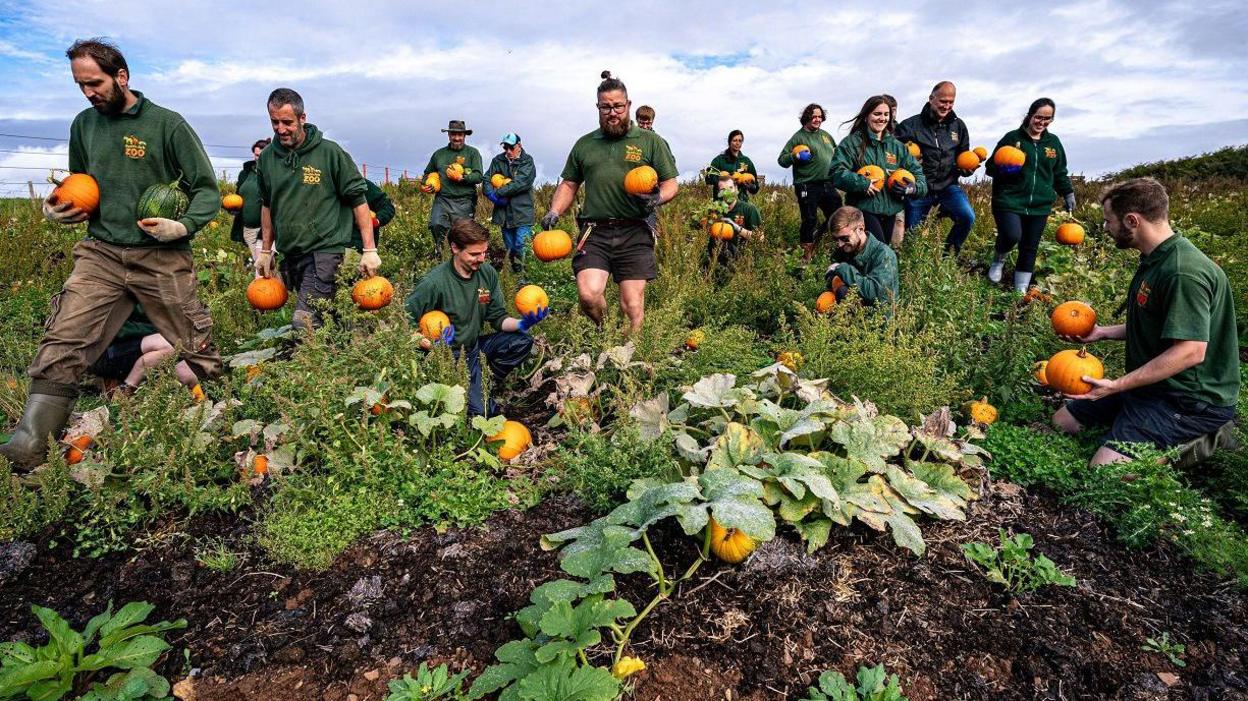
point(248, 188)
point(822, 148)
point(467, 156)
point(741, 164)
point(310, 192)
point(380, 204)
point(129, 152)
point(1043, 179)
point(874, 272)
point(861, 149)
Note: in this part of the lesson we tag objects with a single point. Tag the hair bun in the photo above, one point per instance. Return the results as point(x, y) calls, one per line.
point(606, 75)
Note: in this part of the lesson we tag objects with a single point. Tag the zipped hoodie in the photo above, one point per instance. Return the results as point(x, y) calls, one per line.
point(310, 192)
point(1043, 178)
point(861, 149)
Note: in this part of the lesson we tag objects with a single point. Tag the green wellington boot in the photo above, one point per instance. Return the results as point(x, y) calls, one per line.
point(44, 415)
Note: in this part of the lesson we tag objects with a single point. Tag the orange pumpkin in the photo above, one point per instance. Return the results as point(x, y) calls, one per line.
point(1038, 372)
point(1075, 319)
point(267, 294)
point(968, 160)
point(743, 178)
point(197, 393)
point(721, 230)
point(873, 173)
point(530, 298)
point(433, 183)
point(1070, 234)
point(77, 449)
point(80, 190)
point(730, 544)
point(981, 152)
point(826, 301)
point(837, 283)
point(1065, 371)
point(799, 148)
point(432, 324)
point(641, 180)
point(260, 465)
point(695, 339)
point(552, 245)
point(914, 149)
point(372, 293)
point(515, 437)
point(1009, 159)
point(901, 175)
point(232, 202)
point(455, 171)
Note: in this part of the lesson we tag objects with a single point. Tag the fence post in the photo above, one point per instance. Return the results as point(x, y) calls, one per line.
point(364, 170)
point(405, 173)
point(387, 175)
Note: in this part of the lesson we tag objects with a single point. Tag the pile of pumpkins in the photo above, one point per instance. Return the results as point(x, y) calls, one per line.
point(1065, 371)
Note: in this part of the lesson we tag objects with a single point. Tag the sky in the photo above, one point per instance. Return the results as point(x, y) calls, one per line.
point(1133, 81)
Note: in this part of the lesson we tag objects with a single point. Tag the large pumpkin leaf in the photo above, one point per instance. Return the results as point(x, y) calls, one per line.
point(918, 494)
point(735, 500)
point(790, 423)
point(550, 593)
point(689, 448)
point(651, 417)
point(871, 440)
point(815, 531)
point(713, 391)
point(574, 628)
point(650, 501)
point(943, 480)
point(737, 445)
point(517, 660)
point(452, 399)
point(567, 682)
point(598, 548)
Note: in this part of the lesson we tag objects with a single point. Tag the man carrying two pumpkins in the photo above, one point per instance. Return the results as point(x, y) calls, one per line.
point(458, 166)
point(311, 195)
point(509, 185)
point(1182, 346)
point(135, 151)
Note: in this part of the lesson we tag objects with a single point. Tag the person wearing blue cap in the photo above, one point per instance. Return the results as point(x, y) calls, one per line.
point(508, 184)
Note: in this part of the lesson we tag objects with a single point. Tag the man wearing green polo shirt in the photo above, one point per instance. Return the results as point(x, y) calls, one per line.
point(1182, 361)
point(311, 194)
point(809, 153)
point(617, 233)
point(127, 143)
point(459, 167)
point(863, 262)
point(466, 289)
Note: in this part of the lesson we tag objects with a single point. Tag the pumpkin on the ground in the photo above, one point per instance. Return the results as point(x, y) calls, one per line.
point(515, 437)
point(1070, 234)
point(162, 200)
point(825, 302)
point(260, 466)
point(1075, 319)
point(372, 293)
point(1065, 371)
point(267, 294)
point(530, 298)
point(432, 324)
point(641, 180)
point(695, 339)
point(77, 449)
point(982, 412)
point(79, 190)
point(552, 245)
point(730, 544)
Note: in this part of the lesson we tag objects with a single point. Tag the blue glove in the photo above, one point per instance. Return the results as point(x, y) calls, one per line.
point(530, 320)
point(448, 335)
point(497, 200)
point(804, 156)
point(1070, 201)
point(903, 188)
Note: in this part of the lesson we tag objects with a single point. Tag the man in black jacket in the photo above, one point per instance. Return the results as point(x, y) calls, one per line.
point(941, 136)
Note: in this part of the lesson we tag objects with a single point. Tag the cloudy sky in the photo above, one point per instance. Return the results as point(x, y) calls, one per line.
point(1133, 81)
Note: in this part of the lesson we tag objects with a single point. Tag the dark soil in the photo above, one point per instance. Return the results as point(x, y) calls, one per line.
point(765, 629)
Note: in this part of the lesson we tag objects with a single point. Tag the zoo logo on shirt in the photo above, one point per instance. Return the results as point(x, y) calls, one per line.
point(311, 176)
point(483, 296)
point(890, 159)
point(1050, 152)
point(134, 146)
point(632, 154)
point(1141, 295)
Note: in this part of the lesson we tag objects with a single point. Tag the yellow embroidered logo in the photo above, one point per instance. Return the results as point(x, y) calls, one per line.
point(953, 136)
point(459, 160)
point(1050, 152)
point(891, 158)
point(311, 176)
point(632, 154)
point(134, 146)
point(826, 140)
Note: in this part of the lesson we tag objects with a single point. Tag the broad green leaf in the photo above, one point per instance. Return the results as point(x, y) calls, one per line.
point(943, 480)
point(735, 501)
point(871, 440)
point(579, 624)
point(66, 639)
point(14, 679)
point(451, 398)
point(650, 502)
point(136, 652)
point(246, 427)
point(130, 614)
point(922, 497)
point(815, 532)
point(16, 653)
point(517, 659)
point(547, 594)
point(249, 358)
point(651, 417)
point(489, 427)
point(366, 395)
point(569, 683)
point(789, 422)
point(124, 634)
point(834, 687)
point(712, 391)
point(598, 548)
point(689, 449)
point(737, 445)
point(794, 510)
point(871, 679)
point(49, 689)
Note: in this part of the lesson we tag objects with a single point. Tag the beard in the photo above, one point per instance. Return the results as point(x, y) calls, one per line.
point(614, 130)
point(114, 103)
point(1123, 239)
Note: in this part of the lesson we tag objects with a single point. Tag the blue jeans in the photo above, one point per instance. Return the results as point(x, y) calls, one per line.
point(516, 239)
point(953, 204)
point(503, 351)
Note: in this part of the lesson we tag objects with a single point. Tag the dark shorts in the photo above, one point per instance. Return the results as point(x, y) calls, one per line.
point(118, 359)
point(1150, 418)
point(626, 250)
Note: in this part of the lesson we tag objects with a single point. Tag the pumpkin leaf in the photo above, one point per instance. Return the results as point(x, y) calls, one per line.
point(650, 502)
point(790, 423)
point(489, 427)
point(918, 494)
point(943, 480)
point(366, 395)
point(651, 417)
point(517, 659)
point(575, 628)
point(567, 682)
point(737, 445)
point(815, 532)
point(549, 593)
point(735, 500)
point(689, 449)
point(451, 398)
point(598, 548)
point(713, 391)
point(250, 358)
point(871, 440)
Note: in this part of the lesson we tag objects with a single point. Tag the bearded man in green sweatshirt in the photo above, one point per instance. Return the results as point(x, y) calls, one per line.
point(128, 144)
point(459, 166)
point(311, 195)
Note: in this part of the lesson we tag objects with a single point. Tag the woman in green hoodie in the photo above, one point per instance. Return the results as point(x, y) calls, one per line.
point(871, 142)
point(246, 228)
point(1023, 196)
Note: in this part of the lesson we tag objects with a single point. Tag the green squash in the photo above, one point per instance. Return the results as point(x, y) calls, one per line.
point(163, 201)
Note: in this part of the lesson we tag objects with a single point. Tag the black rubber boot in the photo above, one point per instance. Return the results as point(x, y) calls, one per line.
point(45, 415)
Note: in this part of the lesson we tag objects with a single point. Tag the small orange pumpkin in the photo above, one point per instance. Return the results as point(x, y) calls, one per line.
point(914, 149)
point(981, 152)
point(1070, 234)
point(530, 298)
point(372, 293)
point(552, 245)
point(498, 180)
point(197, 393)
point(641, 180)
point(232, 202)
point(790, 359)
point(455, 171)
point(901, 175)
point(873, 173)
point(267, 294)
point(968, 160)
point(515, 437)
point(695, 339)
point(720, 230)
point(260, 465)
point(981, 412)
point(433, 183)
point(1009, 159)
point(1065, 371)
point(432, 324)
point(1075, 319)
point(77, 449)
point(80, 190)
point(730, 544)
point(825, 302)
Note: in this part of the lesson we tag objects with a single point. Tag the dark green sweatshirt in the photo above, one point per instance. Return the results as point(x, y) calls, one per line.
point(128, 153)
point(1043, 179)
point(310, 192)
point(860, 149)
point(740, 164)
point(379, 203)
point(873, 271)
point(469, 302)
point(248, 188)
point(467, 156)
point(822, 148)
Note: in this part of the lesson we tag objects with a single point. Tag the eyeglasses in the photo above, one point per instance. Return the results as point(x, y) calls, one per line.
point(608, 109)
point(843, 239)
point(1038, 118)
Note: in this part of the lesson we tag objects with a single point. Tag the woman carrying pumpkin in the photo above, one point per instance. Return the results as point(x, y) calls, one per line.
point(881, 193)
point(737, 165)
point(1028, 171)
point(246, 227)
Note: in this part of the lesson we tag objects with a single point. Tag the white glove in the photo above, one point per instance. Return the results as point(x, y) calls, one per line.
point(163, 230)
point(370, 262)
point(62, 212)
point(264, 263)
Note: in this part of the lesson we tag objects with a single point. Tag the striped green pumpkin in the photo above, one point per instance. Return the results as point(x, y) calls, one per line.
point(165, 201)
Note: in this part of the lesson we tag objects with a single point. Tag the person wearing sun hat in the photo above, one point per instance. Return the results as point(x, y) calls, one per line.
point(459, 166)
point(513, 198)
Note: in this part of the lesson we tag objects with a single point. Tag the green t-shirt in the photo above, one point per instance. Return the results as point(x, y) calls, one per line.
point(599, 164)
point(469, 158)
point(1178, 294)
point(469, 302)
point(822, 148)
point(310, 193)
point(128, 153)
